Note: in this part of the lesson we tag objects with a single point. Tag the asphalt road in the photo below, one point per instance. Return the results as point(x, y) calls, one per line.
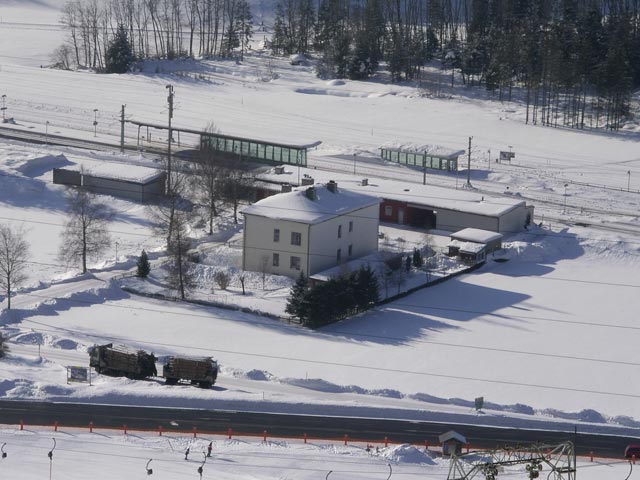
point(279, 425)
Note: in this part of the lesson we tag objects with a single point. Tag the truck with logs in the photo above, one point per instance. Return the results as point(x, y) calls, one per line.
point(122, 361)
point(201, 371)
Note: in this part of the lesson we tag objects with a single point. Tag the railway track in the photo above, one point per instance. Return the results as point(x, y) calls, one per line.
point(365, 167)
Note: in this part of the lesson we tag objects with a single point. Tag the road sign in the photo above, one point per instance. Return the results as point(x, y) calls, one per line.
point(507, 156)
point(77, 374)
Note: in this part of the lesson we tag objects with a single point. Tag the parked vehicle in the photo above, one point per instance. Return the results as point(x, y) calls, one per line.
point(122, 361)
point(202, 371)
point(632, 450)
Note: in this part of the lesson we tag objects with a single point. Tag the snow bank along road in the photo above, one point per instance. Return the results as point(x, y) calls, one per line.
point(295, 426)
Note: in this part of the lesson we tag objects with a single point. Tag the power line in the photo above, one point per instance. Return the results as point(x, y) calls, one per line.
point(349, 215)
point(339, 364)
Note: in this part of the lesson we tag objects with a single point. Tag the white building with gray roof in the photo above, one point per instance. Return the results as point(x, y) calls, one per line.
point(309, 230)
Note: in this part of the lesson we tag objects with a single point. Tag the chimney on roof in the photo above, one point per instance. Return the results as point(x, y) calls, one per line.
point(286, 187)
point(310, 193)
point(307, 180)
point(332, 186)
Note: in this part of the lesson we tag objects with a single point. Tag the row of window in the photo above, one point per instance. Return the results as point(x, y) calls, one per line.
point(296, 237)
point(419, 159)
point(340, 228)
point(294, 262)
point(263, 151)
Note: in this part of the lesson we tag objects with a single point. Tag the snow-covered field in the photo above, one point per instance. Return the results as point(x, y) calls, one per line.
point(107, 454)
point(549, 336)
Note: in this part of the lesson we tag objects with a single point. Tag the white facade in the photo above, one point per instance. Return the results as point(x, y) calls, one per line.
point(309, 232)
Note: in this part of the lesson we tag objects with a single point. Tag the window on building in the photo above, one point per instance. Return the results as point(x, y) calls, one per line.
point(338, 255)
point(351, 225)
point(276, 234)
point(350, 250)
point(294, 264)
point(296, 238)
point(276, 259)
point(339, 231)
point(388, 210)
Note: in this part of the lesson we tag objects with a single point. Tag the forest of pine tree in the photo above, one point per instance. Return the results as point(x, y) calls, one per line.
point(574, 63)
point(577, 61)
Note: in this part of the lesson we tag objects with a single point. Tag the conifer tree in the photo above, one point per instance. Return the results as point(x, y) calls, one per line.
point(144, 267)
point(119, 55)
point(295, 303)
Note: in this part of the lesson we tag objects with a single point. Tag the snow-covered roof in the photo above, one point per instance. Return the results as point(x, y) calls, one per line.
point(373, 260)
point(433, 150)
point(436, 197)
point(467, 247)
point(476, 235)
point(452, 435)
point(296, 206)
point(118, 171)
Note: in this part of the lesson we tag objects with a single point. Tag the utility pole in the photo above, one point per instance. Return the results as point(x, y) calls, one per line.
point(469, 164)
point(170, 100)
point(4, 109)
point(122, 129)
point(95, 122)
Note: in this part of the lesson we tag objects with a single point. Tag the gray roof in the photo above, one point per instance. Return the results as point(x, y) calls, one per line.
point(296, 206)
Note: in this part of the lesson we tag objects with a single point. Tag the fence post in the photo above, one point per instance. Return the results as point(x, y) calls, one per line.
point(264, 436)
point(426, 445)
point(90, 427)
point(195, 432)
point(386, 442)
point(55, 426)
point(305, 438)
point(159, 430)
point(21, 424)
point(124, 428)
point(591, 455)
point(229, 433)
point(345, 438)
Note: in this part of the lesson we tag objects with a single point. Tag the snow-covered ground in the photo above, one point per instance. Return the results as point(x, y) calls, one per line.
point(550, 335)
point(107, 454)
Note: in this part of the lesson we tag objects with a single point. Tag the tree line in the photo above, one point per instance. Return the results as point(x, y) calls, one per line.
point(573, 62)
point(154, 28)
point(576, 61)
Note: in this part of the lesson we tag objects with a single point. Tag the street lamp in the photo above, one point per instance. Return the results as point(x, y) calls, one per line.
point(46, 132)
point(354, 163)
point(628, 180)
point(116, 251)
point(4, 109)
point(565, 198)
point(95, 122)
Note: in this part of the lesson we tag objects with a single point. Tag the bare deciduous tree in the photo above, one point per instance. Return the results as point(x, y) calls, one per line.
point(264, 268)
point(85, 234)
point(207, 180)
point(14, 252)
point(222, 278)
point(3, 347)
point(181, 275)
point(171, 216)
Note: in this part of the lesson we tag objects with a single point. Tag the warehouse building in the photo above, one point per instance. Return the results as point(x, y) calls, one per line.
point(132, 182)
point(445, 209)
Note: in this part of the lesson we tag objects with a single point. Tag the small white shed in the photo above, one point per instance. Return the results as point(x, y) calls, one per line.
point(452, 442)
